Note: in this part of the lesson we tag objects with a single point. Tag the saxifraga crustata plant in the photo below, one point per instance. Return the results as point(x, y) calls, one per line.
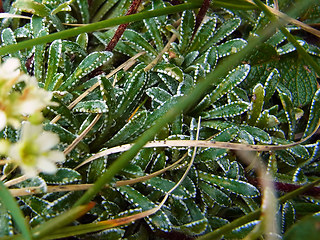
point(193, 88)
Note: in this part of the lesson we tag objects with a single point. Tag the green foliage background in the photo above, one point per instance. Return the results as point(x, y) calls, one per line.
point(249, 82)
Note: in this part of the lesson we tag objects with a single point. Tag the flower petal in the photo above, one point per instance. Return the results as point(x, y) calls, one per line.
point(47, 140)
point(56, 156)
point(46, 166)
point(30, 131)
point(3, 120)
point(30, 172)
point(14, 152)
point(10, 69)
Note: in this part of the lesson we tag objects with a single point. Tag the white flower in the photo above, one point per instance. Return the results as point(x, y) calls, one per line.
point(9, 70)
point(33, 151)
point(3, 120)
point(16, 105)
point(33, 98)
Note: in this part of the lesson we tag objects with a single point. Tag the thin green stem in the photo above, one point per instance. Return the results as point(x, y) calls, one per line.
point(97, 26)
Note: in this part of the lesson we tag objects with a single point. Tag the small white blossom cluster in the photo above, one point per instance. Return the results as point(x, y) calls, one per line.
point(16, 105)
point(23, 107)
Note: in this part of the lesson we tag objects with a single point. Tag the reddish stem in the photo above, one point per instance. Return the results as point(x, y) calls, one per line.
point(288, 187)
point(116, 37)
point(201, 14)
point(1, 7)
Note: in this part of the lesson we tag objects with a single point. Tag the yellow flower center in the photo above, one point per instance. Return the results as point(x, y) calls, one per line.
point(29, 153)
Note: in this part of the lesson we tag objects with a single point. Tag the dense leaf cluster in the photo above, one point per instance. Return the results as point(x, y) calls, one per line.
point(271, 98)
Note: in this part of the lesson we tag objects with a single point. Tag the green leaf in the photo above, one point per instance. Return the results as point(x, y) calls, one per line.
point(289, 47)
point(288, 215)
point(159, 162)
point(258, 134)
point(91, 106)
point(276, 39)
point(84, 10)
point(75, 47)
point(231, 47)
point(132, 170)
point(235, 186)
point(169, 69)
point(39, 206)
point(164, 185)
point(299, 80)
point(65, 114)
point(298, 150)
point(193, 228)
point(6, 224)
point(153, 27)
point(62, 176)
point(216, 222)
point(9, 202)
point(186, 29)
point(210, 154)
point(158, 220)
point(39, 56)
point(32, 7)
point(204, 32)
point(139, 42)
point(217, 124)
point(113, 233)
point(82, 40)
point(266, 120)
point(271, 84)
point(180, 211)
point(197, 217)
point(242, 231)
point(286, 157)
point(132, 90)
point(211, 56)
point(54, 58)
point(158, 94)
point(234, 78)
point(62, 7)
point(256, 104)
point(314, 114)
point(161, 110)
point(170, 82)
point(8, 38)
point(96, 168)
point(215, 194)
point(189, 59)
point(62, 202)
point(228, 110)
point(226, 135)
point(90, 63)
point(306, 228)
point(290, 113)
point(133, 126)
point(228, 27)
